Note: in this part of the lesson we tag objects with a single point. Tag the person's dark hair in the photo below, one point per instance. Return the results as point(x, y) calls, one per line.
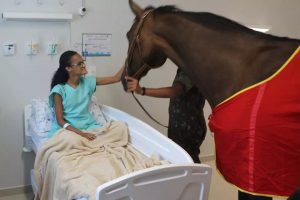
point(61, 75)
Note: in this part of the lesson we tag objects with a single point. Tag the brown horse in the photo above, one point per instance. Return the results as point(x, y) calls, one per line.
point(210, 48)
point(222, 58)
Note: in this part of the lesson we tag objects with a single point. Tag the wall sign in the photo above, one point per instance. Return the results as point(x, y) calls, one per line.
point(96, 44)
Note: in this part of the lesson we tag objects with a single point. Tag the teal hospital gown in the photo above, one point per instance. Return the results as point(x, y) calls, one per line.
point(75, 103)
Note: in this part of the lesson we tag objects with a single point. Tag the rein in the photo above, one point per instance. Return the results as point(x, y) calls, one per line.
point(136, 43)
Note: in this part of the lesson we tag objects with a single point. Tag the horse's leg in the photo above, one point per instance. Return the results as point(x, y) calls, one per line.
point(187, 125)
point(295, 195)
point(247, 196)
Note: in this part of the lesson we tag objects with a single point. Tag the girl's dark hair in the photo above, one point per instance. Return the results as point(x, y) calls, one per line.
point(61, 75)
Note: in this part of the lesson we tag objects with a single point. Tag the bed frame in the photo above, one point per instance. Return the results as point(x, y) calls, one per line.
point(182, 179)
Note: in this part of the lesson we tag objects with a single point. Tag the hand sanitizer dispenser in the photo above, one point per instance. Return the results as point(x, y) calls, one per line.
point(32, 48)
point(52, 48)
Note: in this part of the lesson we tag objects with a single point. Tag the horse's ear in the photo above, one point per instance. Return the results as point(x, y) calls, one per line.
point(135, 8)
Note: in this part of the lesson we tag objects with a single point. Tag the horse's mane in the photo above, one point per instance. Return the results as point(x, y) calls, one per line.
point(212, 21)
point(165, 9)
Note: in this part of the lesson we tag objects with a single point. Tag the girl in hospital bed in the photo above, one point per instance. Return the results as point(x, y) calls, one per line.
point(80, 155)
point(70, 95)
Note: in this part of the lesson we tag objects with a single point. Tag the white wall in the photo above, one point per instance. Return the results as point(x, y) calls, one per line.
point(23, 78)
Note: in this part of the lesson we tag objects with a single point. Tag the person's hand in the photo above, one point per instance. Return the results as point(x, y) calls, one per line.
point(133, 85)
point(88, 136)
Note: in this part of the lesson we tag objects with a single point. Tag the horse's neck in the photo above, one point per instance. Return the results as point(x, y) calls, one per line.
point(221, 64)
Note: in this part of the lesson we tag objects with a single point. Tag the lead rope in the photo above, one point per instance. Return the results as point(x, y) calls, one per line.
point(135, 43)
point(136, 99)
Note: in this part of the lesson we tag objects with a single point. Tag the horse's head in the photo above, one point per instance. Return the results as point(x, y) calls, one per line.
point(144, 52)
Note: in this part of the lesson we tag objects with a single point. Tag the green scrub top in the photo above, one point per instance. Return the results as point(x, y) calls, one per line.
point(75, 103)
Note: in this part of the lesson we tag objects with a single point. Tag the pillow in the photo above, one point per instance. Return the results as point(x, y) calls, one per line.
point(33, 130)
point(96, 111)
point(43, 116)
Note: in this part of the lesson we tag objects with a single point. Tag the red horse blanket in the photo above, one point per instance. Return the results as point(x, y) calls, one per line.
point(257, 134)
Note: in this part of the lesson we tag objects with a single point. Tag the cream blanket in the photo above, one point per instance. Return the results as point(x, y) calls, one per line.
point(69, 166)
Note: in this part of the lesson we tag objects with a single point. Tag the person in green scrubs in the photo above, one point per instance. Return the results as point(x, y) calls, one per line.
point(187, 126)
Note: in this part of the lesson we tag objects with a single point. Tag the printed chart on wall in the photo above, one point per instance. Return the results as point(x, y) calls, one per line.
point(96, 44)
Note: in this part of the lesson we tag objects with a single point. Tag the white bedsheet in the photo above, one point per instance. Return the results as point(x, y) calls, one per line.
point(37, 142)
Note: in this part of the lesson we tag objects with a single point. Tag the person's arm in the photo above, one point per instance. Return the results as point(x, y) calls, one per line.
point(110, 79)
point(164, 92)
point(61, 121)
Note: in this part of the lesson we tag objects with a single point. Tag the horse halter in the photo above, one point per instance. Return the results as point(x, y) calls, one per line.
point(136, 43)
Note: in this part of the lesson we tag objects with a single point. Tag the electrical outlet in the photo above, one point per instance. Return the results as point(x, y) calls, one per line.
point(9, 49)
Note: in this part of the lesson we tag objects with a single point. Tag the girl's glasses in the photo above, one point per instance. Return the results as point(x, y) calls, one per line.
point(80, 64)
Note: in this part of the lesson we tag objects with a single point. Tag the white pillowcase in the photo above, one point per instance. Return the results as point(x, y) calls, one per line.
point(34, 132)
point(42, 115)
point(96, 111)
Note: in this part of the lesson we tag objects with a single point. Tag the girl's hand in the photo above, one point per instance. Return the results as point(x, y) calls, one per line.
point(88, 136)
point(110, 79)
point(133, 85)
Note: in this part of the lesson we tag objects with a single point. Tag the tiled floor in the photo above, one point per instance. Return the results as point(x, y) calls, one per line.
point(220, 189)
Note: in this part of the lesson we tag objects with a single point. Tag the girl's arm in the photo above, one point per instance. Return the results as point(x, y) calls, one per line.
point(110, 79)
point(61, 121)
point(164, 92)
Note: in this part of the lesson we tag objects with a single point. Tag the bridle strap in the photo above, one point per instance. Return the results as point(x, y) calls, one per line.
point(145, 66)
point(136, 42)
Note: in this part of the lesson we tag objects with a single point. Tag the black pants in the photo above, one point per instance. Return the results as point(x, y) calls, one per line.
point(246, 196)
point(187, 126)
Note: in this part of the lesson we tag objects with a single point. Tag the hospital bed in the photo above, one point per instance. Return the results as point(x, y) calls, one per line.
point(182, 179)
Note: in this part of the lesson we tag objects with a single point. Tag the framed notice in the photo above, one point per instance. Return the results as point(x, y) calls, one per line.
point(96, 44)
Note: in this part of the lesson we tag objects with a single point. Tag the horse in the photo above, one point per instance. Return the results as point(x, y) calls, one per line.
point(228, 62)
